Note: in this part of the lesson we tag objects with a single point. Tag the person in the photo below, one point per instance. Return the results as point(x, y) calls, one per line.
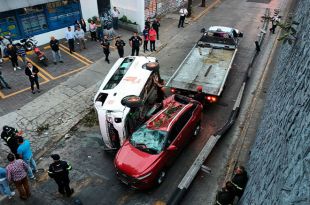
point(240, 180)
point(80, 36)
point(24, 152)
point(12, 53)
point(92, 30)
point(119, 44)
point(115, 13)
point(3, 46)
point(152, 36)
point(160, 83)
point(76, 24)
point(17, 173)
point(183, 13)
point(22, 53)
point(106, 48)
point(99, 29)
point(156, 26)
point(4, 185)
point(70, 39)
point(200, 96)
point(32, 72)
point(59, 171)
point(9, 135)
point(3, 83)
point(148, 23)
point(135, 42)
point(274, 22)
point(145, 38)
point(226, 196)
point(54, 44)
point(83, 25)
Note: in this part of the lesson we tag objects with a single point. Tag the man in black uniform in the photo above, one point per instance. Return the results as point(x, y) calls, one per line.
point(200, 96)
point(9, 135)
point(106, 48)
point(227, 195)
point(135, 42)
point(240, 180)
point(59, 171)
point(120, 46)
point(156, 26)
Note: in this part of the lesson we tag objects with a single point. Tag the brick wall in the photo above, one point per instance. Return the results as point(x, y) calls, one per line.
point(279, 165)
point(159, 7)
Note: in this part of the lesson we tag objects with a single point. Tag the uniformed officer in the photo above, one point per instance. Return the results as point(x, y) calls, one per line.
point(200, 96)
point(240, 180)
point(120, 46)
point(135, 42)
point(59, 171)
point(227, 195)
point(106, 48)
point(9, 135)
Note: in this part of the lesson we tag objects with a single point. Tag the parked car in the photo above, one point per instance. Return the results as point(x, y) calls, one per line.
point(143, 159)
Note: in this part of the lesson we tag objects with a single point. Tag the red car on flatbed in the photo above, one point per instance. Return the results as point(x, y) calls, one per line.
point(143, 159)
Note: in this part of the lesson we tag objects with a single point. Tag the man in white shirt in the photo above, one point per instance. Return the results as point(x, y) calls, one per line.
point(183, 13)
point(115, 13)
point(70, 39)
point(80, 37)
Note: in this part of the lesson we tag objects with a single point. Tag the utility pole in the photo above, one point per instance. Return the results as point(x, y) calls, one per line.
point(189, 7)
point(203, 3)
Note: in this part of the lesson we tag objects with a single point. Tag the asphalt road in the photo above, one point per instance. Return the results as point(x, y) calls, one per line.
point(93, 175)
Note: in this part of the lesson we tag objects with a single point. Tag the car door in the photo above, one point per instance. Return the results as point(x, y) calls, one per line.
point(186, 127)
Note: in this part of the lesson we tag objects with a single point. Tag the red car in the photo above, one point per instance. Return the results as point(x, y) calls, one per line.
point(143, 159)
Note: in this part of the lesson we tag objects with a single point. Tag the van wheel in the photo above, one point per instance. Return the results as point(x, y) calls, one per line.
point(161, 177)
point(132, 101)
point(197, 129)
point(153, 66)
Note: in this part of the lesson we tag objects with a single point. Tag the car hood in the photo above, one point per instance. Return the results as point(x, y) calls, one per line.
point(133, 161)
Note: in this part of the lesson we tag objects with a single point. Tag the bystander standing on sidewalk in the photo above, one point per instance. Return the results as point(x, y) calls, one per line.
point(83, 25)
point(32, 72)
point(70, 39)
point(22, 53)
point(17, 173)
point(4, 185)
point(115, 13)
point(92, 30)
point(239, 180)
point(148, 23)
point(145, 38)
point(80, 36)
point(183, 13)
point(54, 44)
point(99, 29)
point(12, 53)
point(274, 23)
point(9, 135)
point(156, 26)
point(106, 48)
point(25, 153)
point(119, 43)
point(152, 36)
point(59, 171)
point(3, 83)
point(135, 42)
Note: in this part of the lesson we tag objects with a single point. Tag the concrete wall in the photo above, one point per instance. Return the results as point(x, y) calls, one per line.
point(89, 8)
point(279, 165)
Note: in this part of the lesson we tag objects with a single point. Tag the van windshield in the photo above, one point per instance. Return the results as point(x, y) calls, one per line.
point(147, 140)
point(119, 74)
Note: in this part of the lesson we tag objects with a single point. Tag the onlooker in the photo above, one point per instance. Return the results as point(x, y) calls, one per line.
point(54, 44)
point(59, 171)
point(274, 22)
point(106, 48)
point(183, 13)
point(148, 23)
point(3, 83)
point(227, 195)
point(25, 153)
point(115, 13)
point(120, 46)
point(9, 135)
point(135, 42)
point(240, 180)
point(92, 30)
point(70, 39)
point(76, 24)
point(145, 38)
point(99, 29)
point(12, 53)
point(80, 36)
point(4, 185)
point(152, 36)
point(32, 72)
point(22, 53)
point(83, 25)
point(17, 173)
point(156, 26)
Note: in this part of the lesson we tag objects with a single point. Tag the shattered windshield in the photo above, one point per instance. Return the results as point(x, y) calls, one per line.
point(151, 141)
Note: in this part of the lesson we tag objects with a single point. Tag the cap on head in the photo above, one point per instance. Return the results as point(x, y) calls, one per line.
point(6, 128)
point(199, 88)
point(55, 157)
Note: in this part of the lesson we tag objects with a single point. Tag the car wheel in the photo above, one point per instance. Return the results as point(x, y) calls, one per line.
point(132, 101)
point(161, 177)
point(197, 129)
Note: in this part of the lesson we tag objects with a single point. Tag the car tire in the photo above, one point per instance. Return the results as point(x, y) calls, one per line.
point(161, 177)
point(197, 129)
point(132, 101)
point(153, 66)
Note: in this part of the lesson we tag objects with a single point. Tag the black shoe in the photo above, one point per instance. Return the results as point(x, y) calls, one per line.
point(8, 87)
point(33, 92)
point(61, 61)
point(39, 90)
point(154, 50)
point(55, 63)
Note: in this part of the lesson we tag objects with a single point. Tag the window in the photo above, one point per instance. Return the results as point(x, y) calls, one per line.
point(8, 25)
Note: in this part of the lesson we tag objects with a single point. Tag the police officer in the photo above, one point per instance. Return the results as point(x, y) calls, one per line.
point(240, 180)
point(9, 135)
point(227, 195)
point(106, 48)
point(135, 42)
point(120, 46)
point(59, 171)
point(200, 96)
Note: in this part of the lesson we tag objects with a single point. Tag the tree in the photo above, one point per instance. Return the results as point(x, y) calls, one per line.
point(203, 3)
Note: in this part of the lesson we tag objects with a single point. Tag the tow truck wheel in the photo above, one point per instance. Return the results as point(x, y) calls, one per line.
point(197, 129)
point(153, 66)
point(161, 177)
point(132, 101)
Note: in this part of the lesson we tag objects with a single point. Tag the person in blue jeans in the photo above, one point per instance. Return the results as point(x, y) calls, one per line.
point(25, 153)
point(4, 185)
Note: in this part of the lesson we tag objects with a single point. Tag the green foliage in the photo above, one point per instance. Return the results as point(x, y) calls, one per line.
point(290, 33)
point(124, 19)
point(94, 18)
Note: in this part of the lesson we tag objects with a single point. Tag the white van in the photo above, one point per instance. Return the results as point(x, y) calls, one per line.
point(124, 97)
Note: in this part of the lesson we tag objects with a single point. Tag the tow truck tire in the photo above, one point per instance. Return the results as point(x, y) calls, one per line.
point(132, 101)
point(153, 66)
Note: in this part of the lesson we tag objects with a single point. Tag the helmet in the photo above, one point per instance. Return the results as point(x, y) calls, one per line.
point(6, 128)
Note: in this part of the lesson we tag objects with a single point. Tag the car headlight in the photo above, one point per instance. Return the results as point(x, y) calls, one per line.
point(144, 176)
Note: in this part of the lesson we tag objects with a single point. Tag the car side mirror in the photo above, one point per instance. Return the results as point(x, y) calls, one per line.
point(203, 30)
point(172, 148)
